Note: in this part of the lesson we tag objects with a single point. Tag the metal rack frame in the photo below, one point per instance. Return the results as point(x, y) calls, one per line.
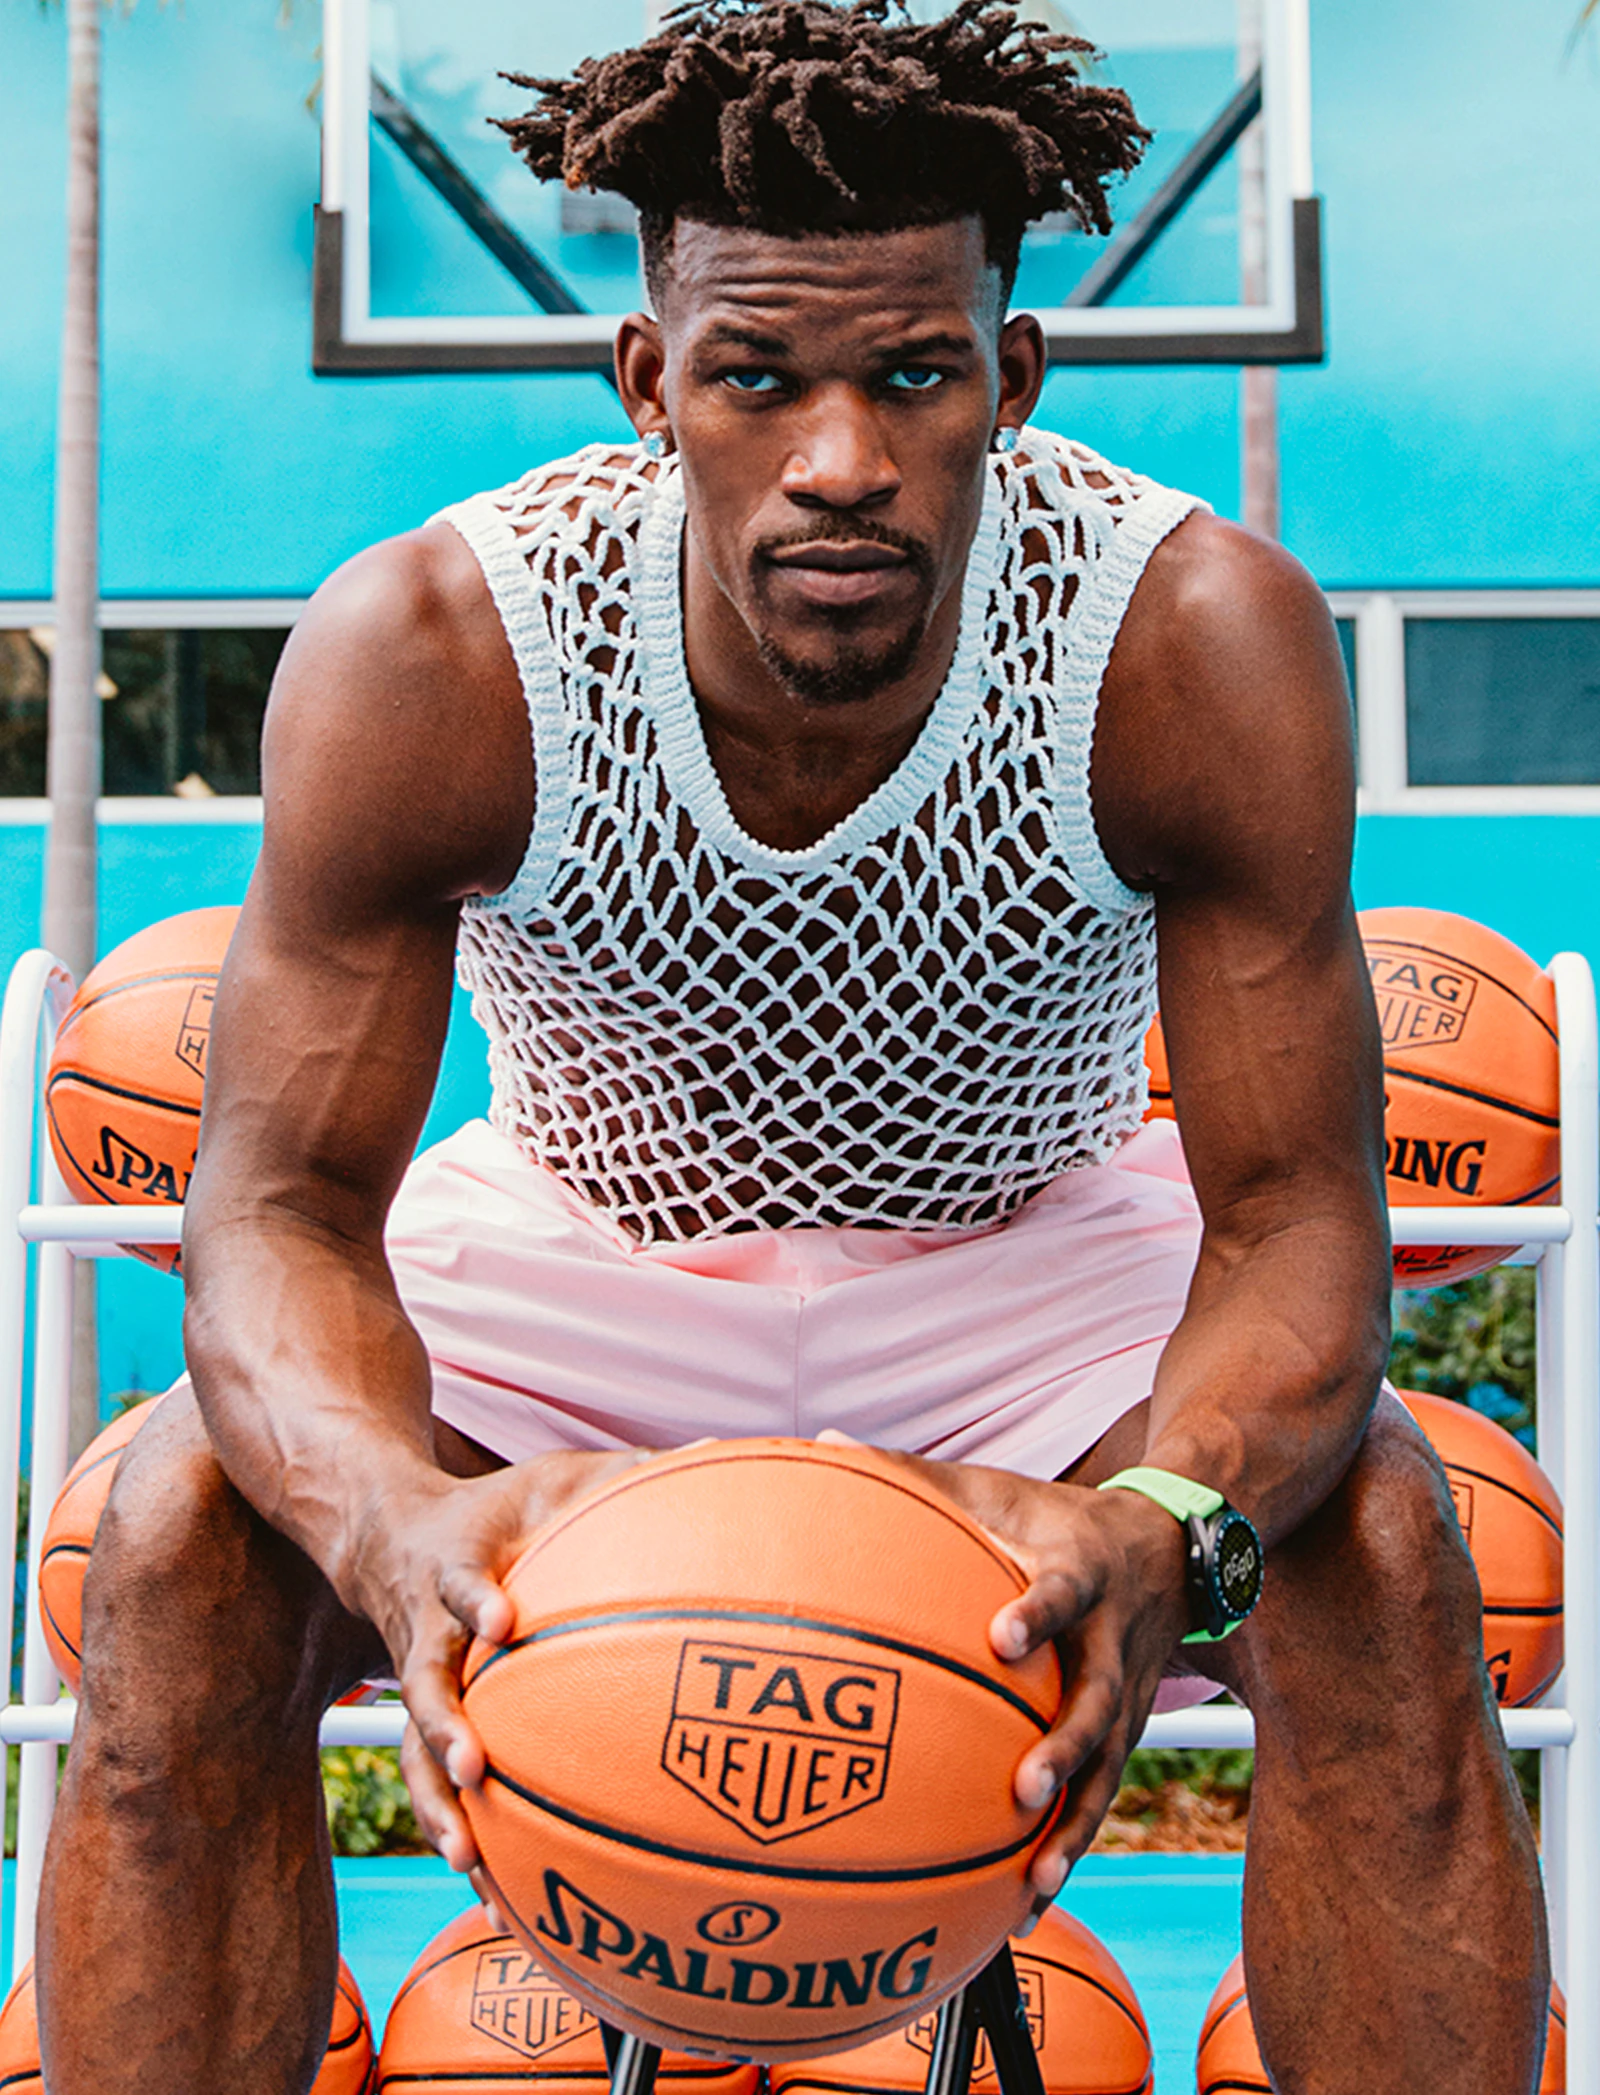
point(1562, 1243)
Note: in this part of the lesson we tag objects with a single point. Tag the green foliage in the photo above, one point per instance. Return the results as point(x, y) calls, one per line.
point(1213, 1771)
point(1474, 1342)
point(369, 1806)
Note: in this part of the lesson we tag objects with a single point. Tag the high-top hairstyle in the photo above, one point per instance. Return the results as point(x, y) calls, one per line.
point(801, 116)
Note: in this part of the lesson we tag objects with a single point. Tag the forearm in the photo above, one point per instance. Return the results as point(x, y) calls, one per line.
point(1266, 1386)
point(313, 1384)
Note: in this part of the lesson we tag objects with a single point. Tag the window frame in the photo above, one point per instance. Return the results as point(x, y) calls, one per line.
point(1380, 617)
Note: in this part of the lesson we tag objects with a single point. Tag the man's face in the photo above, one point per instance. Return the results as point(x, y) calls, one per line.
point(832, 400)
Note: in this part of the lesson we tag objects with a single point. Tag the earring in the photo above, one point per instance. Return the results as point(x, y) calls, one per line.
point(1005, 440)
point(655, 445)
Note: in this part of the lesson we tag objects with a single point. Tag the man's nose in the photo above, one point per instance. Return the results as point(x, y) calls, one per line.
point(840, 459)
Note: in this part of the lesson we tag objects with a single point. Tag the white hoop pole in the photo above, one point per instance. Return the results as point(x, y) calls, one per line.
point(1579, 1384)
point(37, 993)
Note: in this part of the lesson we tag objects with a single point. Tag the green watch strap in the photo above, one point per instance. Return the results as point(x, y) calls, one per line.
point(1179, 1496)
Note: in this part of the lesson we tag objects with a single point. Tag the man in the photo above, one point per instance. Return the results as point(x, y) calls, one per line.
point(811, 788)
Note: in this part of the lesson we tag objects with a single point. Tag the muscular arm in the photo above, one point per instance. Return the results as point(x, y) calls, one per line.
point(1223, 780)
point(397, 779)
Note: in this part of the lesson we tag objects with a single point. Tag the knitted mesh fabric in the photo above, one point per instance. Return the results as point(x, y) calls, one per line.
point(918, 1021)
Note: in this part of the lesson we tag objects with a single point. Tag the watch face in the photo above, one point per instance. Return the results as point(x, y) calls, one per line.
point(1236, 1567)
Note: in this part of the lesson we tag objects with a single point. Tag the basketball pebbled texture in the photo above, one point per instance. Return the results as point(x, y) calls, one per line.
point(1229, 2059)
point(69, 1536)
point(1087, 2027)
point(122, 1097)
point(1472, 1081)
point(1512, 1521)
point(477, 2013)
point(346, 2069)
point(751, 1754)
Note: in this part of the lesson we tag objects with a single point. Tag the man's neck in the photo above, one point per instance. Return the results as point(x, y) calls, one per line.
point(792, 768)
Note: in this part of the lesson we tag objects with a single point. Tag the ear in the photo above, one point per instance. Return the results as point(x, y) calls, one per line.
point(1023, 363)
point(641, 363)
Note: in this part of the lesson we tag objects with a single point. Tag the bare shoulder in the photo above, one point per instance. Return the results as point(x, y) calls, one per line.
point(1224, 708)
point(397, 726)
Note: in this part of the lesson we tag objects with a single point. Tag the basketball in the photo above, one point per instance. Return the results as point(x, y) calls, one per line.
point(1157, 1074)
point(1229, 2061)
point(1472, 1084)
point(122, 1099)
point(346, 2067)
point(476, 2012)
point(1511, 1518)
point(69, 1535)
point(750, 1752)
point(1083, 2015)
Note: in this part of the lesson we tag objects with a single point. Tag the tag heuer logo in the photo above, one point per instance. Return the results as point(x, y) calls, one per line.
point(779, 1741)
point(1030, 1983)
point(194, 1035)
point(1422, 1001)
point(518, 2004)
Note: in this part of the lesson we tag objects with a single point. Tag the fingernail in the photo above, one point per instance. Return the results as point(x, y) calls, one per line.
point(1036, 1787)
point(1021, 1934)
point(1050, 1874)
point(454, 1762)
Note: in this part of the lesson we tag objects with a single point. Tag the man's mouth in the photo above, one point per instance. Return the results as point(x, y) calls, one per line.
point(841, 572)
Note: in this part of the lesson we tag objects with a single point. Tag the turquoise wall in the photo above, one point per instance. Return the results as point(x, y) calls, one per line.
point(1449, 439)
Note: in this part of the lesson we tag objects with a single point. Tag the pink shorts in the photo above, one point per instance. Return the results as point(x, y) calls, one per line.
point(1015, 1346)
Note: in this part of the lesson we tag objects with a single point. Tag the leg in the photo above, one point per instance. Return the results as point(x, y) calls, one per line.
point(187, 1934)
point(1393, 1916)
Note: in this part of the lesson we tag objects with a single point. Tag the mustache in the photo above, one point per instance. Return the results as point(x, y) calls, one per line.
point(846, 530)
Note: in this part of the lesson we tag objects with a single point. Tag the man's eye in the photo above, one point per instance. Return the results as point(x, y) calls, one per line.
point(752, 381)
point(916, 378)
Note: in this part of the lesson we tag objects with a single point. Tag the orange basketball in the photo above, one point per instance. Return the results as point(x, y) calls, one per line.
point(122, 1099)
point(69, 1535)
point(1472, 1085)
point(1511, 1518)
point(751, 1754)
point(346, 2065)
point(477, 2013)
point(1229, 2062)
point(1158, 1074)
point(1083, 2015)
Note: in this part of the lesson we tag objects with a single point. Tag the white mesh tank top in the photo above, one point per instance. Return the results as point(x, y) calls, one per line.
point(918, 1021)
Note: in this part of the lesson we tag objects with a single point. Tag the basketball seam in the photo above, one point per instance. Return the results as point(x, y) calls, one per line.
point(1483, 1476)
point(1087, 1978)
point(535, 2070)
point(790, 1872)
point(117, 989)
point(1470, 967)
point(951, 1515)
point(766, 1619)
point(1538, 1610)
point(94, 1083)
point(1482, 1098)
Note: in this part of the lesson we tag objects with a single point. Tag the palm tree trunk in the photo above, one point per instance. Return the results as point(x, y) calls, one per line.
point(1258, 383)
point(74, 750)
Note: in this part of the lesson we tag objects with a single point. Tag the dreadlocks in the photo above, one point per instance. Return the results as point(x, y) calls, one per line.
point(801, 116)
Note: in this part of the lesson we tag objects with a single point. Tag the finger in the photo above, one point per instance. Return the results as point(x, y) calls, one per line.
point(1091, 1709)
point(431, 1686)
point(436, 1804)
point(483, 1885)
point(1089, 1798)
point(1055, 1602)
point(478, 1601)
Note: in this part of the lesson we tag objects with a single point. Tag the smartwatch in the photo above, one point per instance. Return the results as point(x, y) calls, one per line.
point(1226, 1560)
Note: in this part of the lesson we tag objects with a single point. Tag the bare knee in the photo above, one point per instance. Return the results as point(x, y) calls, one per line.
point(1376, 1593)
point(197, 1616)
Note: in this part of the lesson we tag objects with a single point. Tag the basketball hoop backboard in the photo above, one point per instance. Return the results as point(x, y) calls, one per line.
point(436, 251)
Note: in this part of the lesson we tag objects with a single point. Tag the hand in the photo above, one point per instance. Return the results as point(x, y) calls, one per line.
point(428, 1577)
point(1106, 1584)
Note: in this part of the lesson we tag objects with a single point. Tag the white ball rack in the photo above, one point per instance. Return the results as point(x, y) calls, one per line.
point(1562, 1243)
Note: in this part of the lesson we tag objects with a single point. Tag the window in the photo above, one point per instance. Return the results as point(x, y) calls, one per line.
point(182, 708)
point(1503, 701)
